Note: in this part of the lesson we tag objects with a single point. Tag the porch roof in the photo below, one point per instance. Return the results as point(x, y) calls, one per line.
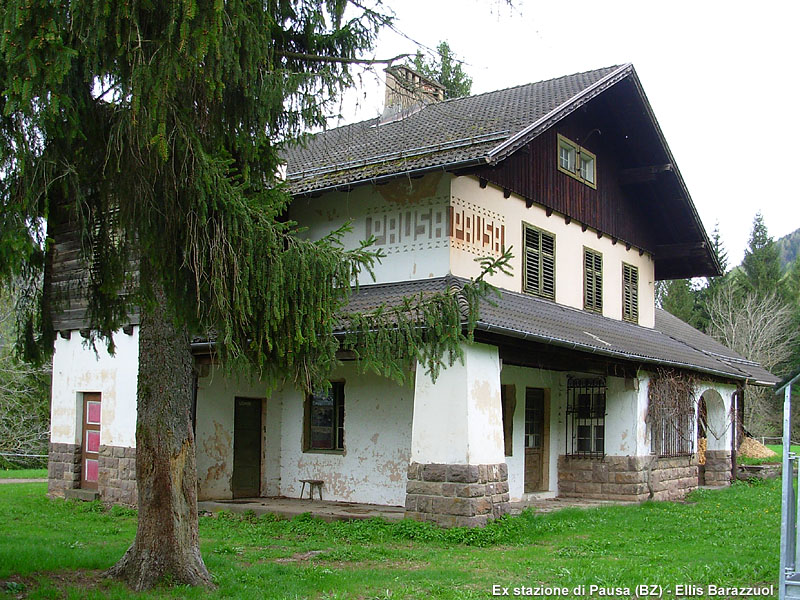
point(671, 343)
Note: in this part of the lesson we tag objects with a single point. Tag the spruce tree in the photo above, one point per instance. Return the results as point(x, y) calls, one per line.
point(761, 267)
point(446, 69)
point(157, 127)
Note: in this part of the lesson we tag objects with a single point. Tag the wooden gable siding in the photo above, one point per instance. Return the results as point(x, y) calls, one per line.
point(67, 275)
point(532, 172)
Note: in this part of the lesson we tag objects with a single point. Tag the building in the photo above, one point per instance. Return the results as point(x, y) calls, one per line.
point(563, 391)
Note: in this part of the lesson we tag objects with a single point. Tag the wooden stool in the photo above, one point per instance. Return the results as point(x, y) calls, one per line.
point(312, 484)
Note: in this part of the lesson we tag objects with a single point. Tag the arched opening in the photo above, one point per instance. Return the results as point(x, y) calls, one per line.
point(713, 439)
point(702, 419)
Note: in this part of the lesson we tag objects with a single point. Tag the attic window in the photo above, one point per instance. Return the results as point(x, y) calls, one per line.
point(576, 162)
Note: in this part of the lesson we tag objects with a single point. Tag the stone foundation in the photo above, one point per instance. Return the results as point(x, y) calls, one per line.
point(116, 480)
point(457, 495)
point(627, 478)
point(718, 467)
point(63, 469)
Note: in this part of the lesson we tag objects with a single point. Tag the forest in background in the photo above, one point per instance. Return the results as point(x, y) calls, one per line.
point(754, 309)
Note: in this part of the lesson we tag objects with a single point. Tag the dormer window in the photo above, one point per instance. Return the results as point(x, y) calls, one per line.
point(576, 162)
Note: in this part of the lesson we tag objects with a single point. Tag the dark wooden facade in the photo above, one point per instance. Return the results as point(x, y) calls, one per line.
point(67, 273)
point(640, 198)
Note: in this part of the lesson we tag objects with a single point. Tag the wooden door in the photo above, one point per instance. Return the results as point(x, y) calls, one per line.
point(535, 448)
point(246, 481)
point(90, 441)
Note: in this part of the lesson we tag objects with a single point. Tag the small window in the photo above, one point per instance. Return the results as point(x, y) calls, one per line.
point(567, 156)
point(630, 293)
point(592, 280)
point(540, 263)
point(576, 162)
point(324, 420)
point(587, 168)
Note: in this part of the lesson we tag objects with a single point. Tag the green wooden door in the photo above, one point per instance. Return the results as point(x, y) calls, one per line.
point(246, 481)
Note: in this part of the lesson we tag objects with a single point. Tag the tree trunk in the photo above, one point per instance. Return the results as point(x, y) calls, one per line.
point(166, 548)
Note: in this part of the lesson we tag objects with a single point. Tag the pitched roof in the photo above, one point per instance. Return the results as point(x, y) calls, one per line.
point(462, 131)
point(671, 343)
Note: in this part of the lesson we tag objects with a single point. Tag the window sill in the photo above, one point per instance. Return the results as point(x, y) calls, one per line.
point(322, 451)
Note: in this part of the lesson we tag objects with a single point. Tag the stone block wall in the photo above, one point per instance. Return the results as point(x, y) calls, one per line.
point(627, 478)
point(116, 479)
point(457, 495)
point(63, 468)
point(718, 467)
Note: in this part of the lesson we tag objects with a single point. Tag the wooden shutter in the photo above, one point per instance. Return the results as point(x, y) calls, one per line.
point(630, 293)
point(540, 263)
point(592, 280)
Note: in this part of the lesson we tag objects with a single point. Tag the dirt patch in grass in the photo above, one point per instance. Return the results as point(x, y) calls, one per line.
point(300, 556)
point(20, 587)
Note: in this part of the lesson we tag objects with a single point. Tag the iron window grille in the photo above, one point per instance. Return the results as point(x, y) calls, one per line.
point(673, 435)
point(586, 417)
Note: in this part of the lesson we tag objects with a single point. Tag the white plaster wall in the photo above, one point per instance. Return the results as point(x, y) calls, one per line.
point(214, 434)
point(408, 218)
point(570, 241)
point(625, 427)
point(458, 418)
point(78, 368)
point(377, 438)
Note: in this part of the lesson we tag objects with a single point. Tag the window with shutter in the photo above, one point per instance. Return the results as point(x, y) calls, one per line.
point(630, 293)
point(540, 263)
point(592, 280)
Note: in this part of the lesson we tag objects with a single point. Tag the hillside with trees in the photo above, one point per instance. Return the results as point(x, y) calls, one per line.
point(754, 309)
point(789, 248)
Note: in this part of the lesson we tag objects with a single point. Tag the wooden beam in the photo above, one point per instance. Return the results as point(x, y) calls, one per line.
point(506, 192)
point(482, 182)
point(685, 250)
point(548, 211)
point(567, 219)
point(642, 174)
point(528, 203)
point(584, 227)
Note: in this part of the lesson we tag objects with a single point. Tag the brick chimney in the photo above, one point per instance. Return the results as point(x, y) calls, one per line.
point(407, 91)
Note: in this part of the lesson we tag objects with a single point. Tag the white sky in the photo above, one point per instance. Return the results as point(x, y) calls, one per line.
point(721, 77)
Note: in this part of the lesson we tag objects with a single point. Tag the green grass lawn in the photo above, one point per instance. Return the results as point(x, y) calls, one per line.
point(23, 473)
point(724, 537)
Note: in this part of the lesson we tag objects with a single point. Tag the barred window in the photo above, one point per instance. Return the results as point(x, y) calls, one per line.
point(540, 263)
point(630, 293)
point(586, 417)
point(592, 280)
point(671, 414)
